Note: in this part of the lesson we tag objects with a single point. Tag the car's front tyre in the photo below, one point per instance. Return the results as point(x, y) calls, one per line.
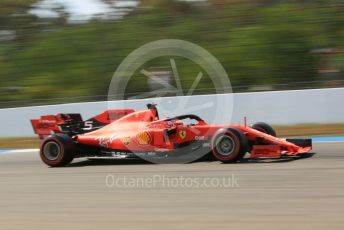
point(229, 145)
point(264, 128)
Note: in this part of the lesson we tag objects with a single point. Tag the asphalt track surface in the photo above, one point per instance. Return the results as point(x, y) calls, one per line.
point(299, 194)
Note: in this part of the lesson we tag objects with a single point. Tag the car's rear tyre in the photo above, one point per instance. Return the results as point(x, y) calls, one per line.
point(264, 128)
point(229, 145)
point(57, 150)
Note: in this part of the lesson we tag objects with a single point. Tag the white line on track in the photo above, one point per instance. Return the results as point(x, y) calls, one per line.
point(23, 150)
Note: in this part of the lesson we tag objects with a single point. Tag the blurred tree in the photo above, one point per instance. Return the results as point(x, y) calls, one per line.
point(259, 42)
point(14, 16)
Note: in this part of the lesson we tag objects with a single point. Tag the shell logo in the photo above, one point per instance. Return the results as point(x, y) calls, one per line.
point(144, 138)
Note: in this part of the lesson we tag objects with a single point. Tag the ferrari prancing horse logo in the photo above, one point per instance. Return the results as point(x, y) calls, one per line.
point(182, 134)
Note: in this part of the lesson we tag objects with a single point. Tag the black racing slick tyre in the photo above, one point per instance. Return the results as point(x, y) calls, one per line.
point(229, 145)
point(264, 128)
point(57, 150)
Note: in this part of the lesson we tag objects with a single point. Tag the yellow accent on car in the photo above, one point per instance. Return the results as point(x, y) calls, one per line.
point(182, 134)
point(144, 138)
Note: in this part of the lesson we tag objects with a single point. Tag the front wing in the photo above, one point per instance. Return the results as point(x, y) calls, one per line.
point(289, 147)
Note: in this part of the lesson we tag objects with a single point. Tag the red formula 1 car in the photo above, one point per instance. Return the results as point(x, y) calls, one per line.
point(183, 139)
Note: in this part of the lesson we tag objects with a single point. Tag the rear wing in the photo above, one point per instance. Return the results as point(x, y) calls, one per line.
point(49, 124)
point(73, 124)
